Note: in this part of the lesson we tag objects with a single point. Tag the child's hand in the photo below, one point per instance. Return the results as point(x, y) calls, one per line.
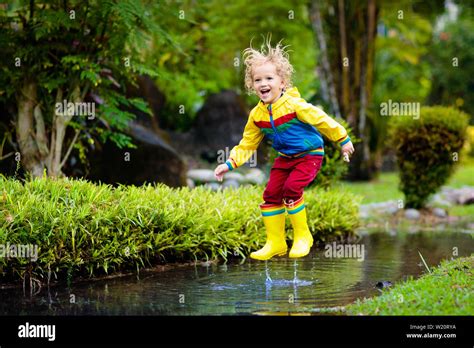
point(220, 171)
point(347, 149)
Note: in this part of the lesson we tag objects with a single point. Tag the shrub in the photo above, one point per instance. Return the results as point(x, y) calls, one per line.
point(87, 229)
point(427, 150)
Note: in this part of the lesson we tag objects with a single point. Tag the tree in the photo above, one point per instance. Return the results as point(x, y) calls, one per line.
point(347, 67)
point(60, 60)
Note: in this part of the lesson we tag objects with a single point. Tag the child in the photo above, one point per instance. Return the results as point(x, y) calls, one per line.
point(295, 128)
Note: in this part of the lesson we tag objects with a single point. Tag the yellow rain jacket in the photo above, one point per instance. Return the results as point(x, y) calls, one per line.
point(293, 125)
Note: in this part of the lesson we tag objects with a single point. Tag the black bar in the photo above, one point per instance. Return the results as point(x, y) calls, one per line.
point(242, 330)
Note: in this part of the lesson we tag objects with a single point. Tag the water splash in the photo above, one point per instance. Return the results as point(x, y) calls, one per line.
point(295, 275)
point(268, 279)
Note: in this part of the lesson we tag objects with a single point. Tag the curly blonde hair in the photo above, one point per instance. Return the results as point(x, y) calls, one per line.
point(277, 55)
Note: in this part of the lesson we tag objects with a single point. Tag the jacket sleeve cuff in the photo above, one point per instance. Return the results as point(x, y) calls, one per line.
point(344, 140)
point(231, 164)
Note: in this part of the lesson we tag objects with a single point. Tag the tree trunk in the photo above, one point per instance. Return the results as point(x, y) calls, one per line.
point(30, 155)
point(345, 107)
point(317, 24)
point(352, 32)
point(36, 154)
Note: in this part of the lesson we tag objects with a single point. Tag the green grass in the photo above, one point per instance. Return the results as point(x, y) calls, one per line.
point(462, 210)
point(447, 290)
point(86, 229)
point(385, 187)
point(464, 175)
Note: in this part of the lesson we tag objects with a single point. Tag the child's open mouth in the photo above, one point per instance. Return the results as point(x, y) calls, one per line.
point(265, 93)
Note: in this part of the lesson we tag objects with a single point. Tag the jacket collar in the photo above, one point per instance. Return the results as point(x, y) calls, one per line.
point(290, 92)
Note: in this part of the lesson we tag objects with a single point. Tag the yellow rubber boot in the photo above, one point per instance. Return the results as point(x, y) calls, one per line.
point(302, 238)
point(274, 221)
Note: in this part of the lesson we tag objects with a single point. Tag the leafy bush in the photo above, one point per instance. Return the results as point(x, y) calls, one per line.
point(86, 229)
point(427, 150)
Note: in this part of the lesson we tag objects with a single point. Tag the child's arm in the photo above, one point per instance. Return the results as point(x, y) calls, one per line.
point(316, 117)
point(240, 154)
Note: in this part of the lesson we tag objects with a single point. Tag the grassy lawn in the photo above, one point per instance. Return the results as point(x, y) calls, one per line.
point(447, 290)
point(385, 187)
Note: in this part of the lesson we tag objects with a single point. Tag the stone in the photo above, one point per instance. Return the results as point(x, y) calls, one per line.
point(216, 129)
point(214, 186)
point(153, 160)
point(234, 176)
point(201, 175)
point(230, 183)
point(412, 214)
point(383, 284)
point(392, 210)
point(466, 197)
point(439, 212)
point(190, 183)
point(255, 176)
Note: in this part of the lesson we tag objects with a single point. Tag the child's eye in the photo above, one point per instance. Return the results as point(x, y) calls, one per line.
point(270, 78)
point(257, 80)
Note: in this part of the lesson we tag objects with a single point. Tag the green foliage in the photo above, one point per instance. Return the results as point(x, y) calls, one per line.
point(207, 55)
point(452, 61)
point(448, 290)
point(426, 150)
point(86, 229)
point(91, 45)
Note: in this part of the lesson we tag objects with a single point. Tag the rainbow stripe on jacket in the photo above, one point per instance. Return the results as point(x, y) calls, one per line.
point(295, 207)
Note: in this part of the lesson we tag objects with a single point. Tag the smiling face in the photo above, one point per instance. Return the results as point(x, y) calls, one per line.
point(267, 83)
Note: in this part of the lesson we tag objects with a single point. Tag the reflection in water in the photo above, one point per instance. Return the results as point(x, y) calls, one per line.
point(314, 284)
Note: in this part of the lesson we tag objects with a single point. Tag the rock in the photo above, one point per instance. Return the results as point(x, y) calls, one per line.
point(463, 195)
point(234, 176)
point(201, 175)
point(438, 201)
point(231, 183)
point(392, 210)
point(190, 183)
point(217, 128)
point(412, 214)
point(214, 186)
point(440, 212)
point(383, 284)
point(255, 176)
point(153, 160)
point(466, 198)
